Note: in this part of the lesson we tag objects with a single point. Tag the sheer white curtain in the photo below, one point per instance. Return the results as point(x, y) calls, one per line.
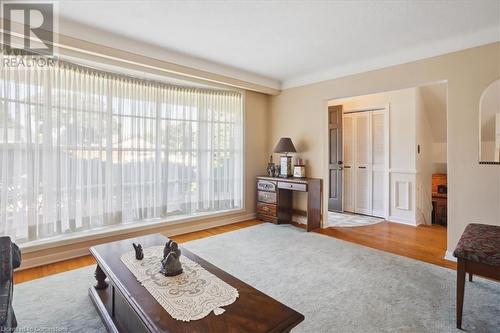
point(82, 149)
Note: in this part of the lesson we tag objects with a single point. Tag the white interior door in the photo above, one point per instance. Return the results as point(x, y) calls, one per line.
point(363, 165)
point(348, 152)
point(379, 151)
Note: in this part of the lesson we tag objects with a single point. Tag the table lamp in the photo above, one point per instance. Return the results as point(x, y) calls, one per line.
point(285, 145)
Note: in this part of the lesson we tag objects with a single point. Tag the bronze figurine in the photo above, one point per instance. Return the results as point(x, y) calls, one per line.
point(139, 253)
point(171, 264)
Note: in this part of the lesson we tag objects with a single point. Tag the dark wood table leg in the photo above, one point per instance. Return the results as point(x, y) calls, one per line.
point(101, 279)
point(470, 277)
point(460, 290)
point(314, 204)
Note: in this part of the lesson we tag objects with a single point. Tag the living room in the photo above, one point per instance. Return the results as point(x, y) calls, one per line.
point(208, 166)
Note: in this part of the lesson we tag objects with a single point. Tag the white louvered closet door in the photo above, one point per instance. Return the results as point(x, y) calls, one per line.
point(348, 151)
point(363, 167)
point(379, 151)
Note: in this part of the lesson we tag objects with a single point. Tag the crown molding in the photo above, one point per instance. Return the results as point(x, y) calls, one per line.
point(137, 56)
point(419, 52)
point(71, 32)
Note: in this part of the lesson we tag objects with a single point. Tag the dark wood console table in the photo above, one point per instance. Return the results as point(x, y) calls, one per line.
point(275, 195)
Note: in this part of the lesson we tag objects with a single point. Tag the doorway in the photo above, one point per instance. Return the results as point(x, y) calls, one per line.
point(387, 157)
point(358, 161)
point(432, 163)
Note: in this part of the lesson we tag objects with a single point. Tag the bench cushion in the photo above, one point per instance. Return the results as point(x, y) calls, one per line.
point(480, 243)
point(10, 258)
point(5, 284)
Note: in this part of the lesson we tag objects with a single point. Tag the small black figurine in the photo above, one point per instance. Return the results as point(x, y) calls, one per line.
point(270, 167)
point(171, 264)
point(139, 254)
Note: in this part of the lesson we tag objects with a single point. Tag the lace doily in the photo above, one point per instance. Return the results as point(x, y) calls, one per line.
point(189, 296)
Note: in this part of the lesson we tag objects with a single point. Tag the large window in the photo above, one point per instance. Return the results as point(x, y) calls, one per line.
point(83, 149)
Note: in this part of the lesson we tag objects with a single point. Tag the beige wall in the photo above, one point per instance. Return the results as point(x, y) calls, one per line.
point(474, 190)
point(439, 157)
point(256, 143)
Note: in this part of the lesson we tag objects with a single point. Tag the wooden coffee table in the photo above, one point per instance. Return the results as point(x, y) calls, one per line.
point(126, 306)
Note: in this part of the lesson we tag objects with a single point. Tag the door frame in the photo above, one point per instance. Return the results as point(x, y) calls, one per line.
point(387, 109)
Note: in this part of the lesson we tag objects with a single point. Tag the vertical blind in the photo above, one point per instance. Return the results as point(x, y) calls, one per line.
point(82, 149)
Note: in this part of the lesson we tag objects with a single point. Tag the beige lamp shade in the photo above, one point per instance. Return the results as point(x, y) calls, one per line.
point(285, 145)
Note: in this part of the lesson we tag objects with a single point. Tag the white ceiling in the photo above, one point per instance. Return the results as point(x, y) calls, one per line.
point(285, 43)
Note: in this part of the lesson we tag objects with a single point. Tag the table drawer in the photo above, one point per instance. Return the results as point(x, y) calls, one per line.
point(268, 197)
point(267, 209)
point(293, 186)
point(265, 185)
point(267, 218)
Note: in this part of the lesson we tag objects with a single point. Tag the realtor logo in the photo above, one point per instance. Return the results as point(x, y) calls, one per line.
point(28, 28)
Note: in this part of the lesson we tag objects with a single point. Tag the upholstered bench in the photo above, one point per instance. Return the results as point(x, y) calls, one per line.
point(477, 252)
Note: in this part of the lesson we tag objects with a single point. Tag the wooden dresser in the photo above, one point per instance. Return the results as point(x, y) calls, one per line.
point(275, 195)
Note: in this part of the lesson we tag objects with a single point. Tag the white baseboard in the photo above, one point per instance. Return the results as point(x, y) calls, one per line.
point(82, 248)
point(449, 256)
point(401, 220)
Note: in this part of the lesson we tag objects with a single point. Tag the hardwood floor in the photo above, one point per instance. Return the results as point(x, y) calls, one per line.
point(57, 267)
point(425, 243)
point(66, 265)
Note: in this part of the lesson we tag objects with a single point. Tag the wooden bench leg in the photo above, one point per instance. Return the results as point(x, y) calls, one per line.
point(460, 290)
point(470, 277)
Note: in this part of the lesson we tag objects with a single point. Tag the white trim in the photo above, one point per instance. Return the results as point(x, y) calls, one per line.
point(449, 256)
point(405, 171)
point(191, 61)
point(406, 187)
point(419, 52)
point(156, 61)
point(117, 230)
point(366, 109)
point(397, 219)
point(387, 174)
point(82, 248)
